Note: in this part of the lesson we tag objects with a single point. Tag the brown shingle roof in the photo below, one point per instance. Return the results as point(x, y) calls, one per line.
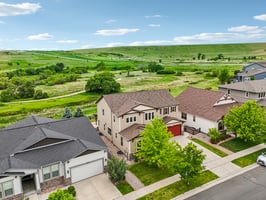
point(132, 132)
point(200, 102)
point(124, 102)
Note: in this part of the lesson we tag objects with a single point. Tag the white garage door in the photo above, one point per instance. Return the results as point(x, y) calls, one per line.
point(87, 170)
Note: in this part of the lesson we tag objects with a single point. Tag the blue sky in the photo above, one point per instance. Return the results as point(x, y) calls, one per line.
point(76, 24)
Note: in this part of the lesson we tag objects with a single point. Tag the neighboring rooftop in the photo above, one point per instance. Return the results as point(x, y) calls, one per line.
point(124, 102)
point(204, 103)
point(31, 142)
point(255, 86)
point(252, 72)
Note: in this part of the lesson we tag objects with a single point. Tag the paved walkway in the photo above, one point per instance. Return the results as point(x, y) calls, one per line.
point(223, 167)
point(133, 181)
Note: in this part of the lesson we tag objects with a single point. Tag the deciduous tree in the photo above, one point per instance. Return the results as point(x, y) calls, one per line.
point(248, 121)
point(190, 162)
point(102, 83)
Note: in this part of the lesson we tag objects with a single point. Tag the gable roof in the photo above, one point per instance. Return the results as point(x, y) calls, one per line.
point(75, 136)
point(252, 72)
point(124, 102)
point(255, 86)
point(132, 131)
point(203, 103)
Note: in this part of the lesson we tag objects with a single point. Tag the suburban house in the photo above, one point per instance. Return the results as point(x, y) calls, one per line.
point(254, 71)
point(203, 109)
point(121, 117)
point(41, 154)
point(248, 90)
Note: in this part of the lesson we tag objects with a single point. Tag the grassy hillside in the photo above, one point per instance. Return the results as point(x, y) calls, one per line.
point(196, 73)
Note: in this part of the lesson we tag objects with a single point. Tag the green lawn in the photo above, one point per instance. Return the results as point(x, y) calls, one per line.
point(149, 174)
point(211, 148)
point(248, 159)
point(180, 187)
point(124, 188)
point(237, 144)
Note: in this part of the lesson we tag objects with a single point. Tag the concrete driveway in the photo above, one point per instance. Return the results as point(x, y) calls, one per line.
point(98, 187)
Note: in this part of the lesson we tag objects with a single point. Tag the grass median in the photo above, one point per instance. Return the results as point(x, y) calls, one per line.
point(248, 159)
point(209, 147)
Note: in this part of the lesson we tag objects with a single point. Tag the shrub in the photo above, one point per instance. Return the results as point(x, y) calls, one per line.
point(116, 169)
point(71, 190)
point(165, 71)
point(179, 74)
point(215, 135)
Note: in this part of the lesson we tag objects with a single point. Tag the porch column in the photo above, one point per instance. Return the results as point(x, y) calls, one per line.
point(37, 182)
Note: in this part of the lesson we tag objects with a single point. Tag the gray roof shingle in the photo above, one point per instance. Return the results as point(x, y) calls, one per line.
point(255, 86)
point(75, 135)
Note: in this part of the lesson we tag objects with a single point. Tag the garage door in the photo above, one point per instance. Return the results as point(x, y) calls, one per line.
point(175, 130)
point(87, 170)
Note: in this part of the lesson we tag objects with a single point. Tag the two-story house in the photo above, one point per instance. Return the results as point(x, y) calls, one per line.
point(121, 117)
point(254, 71)
point(248, 90)
point(203, 109)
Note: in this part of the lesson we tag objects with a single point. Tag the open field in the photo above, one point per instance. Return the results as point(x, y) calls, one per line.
point(196, 73)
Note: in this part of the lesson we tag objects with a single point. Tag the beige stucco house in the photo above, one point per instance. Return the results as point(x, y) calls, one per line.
point(121, 117)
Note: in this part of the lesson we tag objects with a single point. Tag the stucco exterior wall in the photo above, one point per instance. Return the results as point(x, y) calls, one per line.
point(200, 123)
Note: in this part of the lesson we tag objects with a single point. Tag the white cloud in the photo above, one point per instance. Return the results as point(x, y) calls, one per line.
point(114, 44)
point(18, 9)
point(151, 42)
point(244, 28)
point(112, 32)
point(152, 16)
point(41, 36)
point(67, 41)
point(154, 25)
point(217, 37)
point(260, 17)
point(110, 21)
point(86, 46)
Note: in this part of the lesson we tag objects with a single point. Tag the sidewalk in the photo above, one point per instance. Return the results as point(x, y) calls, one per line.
point(223, 167)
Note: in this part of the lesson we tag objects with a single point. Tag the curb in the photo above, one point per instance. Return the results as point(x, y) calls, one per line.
point(213, 183)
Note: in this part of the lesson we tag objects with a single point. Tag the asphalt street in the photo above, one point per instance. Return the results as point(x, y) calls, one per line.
point(248, 186)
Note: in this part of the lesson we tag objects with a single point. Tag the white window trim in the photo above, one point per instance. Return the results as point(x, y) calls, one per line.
point(50, 171)
point(3, 191)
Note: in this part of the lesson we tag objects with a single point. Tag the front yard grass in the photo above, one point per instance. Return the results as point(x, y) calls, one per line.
point(209, 147)
point(238, 144)
point(248, 159)
point(124, 187)
point(148, 174)
point(180, 187)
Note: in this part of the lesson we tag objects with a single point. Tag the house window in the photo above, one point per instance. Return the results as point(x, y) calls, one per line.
point(127, 120)
point(6, 189)
point(228, 91)
point(109, 131)
point(152, 115)
point(149, 116)
point(121, 141)
point(102, 111)
point(262, 95)
point(194, 118)
point(146, 116)
point(184, 115)
point(114, 118)
point(173, 109)
point(135, 119)
point(50, 171)
point(247, 94)
point(166, 111)
point(115, 135)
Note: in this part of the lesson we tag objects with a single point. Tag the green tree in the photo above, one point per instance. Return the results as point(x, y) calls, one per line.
point(39, 94)
point(61, 195)
point(25, 90)
point(67, 113)
point(154, 141)
point(248, 121)
point(154, 67)
point(78, 113)
point(116, 169)
point(190, 162)
point(214, 134)
point(102, 83)
point(224, 76)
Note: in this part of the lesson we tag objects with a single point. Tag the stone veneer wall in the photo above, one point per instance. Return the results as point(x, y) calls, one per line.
point(55, 183)
point(15, 197)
